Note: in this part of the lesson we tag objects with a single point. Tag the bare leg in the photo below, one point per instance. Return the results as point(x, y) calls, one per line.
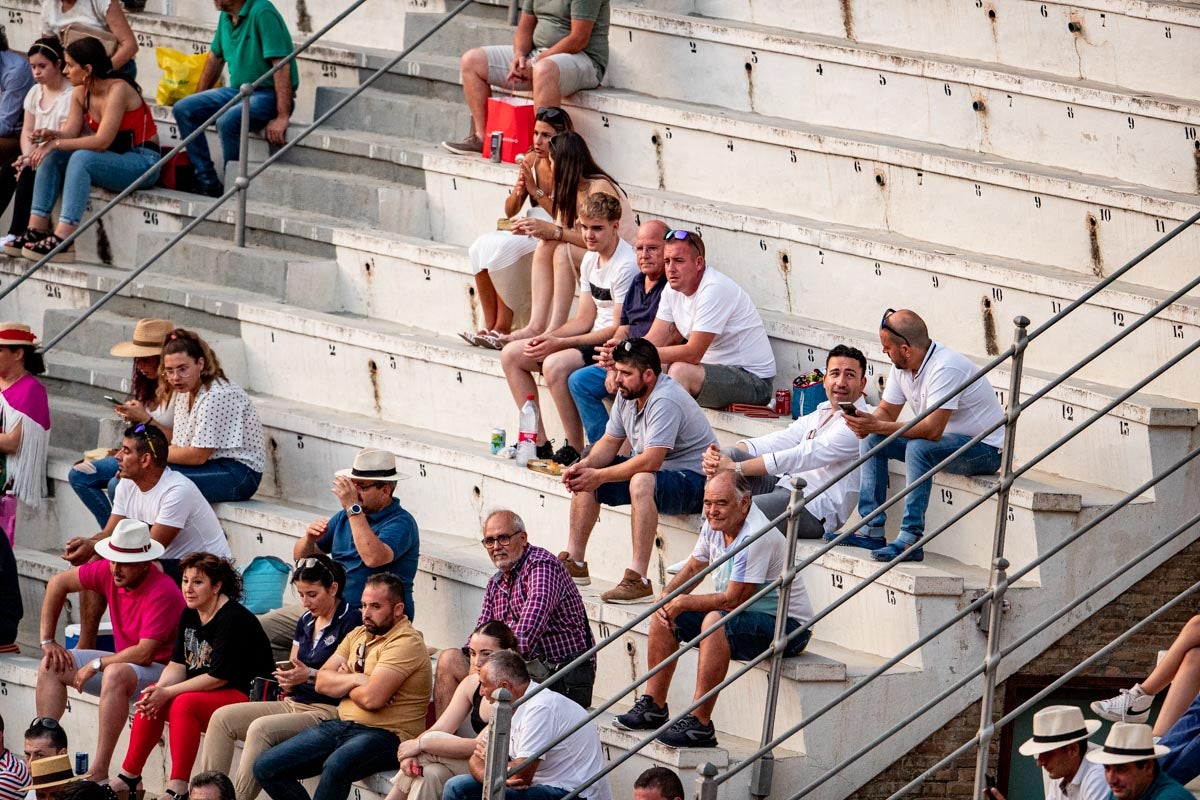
point(644, 514)
point(452, 668)
point(556, 369)
point(91, 609)
point(713, 666)
point(662, 644)
point(116, 689)
point(546, 91)
point(50, 696)
point(585, 510)
point(1183, 691)
point(541, 288)
point(1187, 639)
point(37, 223)
point(566, 279)
point(519, 369)
point(476, 90)
point(689, 376)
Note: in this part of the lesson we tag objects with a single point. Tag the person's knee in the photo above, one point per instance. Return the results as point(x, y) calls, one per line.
point(229, 124)
point(474, 62)
point(641, 488)
point(559, 367)
point(545, 74)
point(119, 680)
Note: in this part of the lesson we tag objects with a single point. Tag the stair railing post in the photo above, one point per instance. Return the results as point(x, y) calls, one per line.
point(243, 180)
point(705, 788)
point(764, 768)
point(496, 764)
point(998, 579)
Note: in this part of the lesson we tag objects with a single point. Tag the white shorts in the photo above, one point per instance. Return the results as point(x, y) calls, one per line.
point(145, 675)
point(575, 70)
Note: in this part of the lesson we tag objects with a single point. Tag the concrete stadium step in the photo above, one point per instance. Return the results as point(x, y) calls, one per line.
point(1096, 43)
point(430, 120)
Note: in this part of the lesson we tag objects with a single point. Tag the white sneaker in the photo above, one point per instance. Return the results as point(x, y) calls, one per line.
point(1128, 706)
point(7, 240)
point(677, 567)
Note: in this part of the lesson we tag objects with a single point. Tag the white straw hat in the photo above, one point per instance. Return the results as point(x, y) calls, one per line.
point(373, 465)
point(1126, 742)
point(1055, 726)
point(130, 543)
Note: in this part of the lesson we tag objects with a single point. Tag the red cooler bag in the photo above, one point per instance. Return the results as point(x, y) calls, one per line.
point(513, 117)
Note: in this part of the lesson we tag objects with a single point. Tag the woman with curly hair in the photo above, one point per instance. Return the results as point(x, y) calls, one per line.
point(219, 650)
point(218, 439)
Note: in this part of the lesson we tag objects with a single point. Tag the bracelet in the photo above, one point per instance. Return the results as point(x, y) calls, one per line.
point(418, 745)
point(558, 232)
point(539, 194)
point(45, 642)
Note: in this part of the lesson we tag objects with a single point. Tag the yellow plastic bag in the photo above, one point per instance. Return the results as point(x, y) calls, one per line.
point(181, 74)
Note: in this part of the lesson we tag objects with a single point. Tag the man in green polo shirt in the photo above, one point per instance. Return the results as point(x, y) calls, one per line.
point(559, 47)
point(251, 38)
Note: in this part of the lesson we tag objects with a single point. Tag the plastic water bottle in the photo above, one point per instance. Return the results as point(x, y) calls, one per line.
point(527, 432)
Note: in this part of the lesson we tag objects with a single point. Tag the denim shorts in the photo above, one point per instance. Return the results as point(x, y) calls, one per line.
point(676, 491)
point(749, 634)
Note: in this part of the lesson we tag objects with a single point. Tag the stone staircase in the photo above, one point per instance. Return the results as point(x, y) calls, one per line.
point(839, 158)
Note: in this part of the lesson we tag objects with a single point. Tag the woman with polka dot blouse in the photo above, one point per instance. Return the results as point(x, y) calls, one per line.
point(217, 440)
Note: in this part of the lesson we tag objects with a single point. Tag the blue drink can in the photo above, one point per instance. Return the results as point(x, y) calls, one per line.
point(81, 763)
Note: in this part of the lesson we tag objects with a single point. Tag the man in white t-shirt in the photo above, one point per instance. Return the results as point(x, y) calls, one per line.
point(605, 274)
point(149, 491)
point(536, 723)
point(709, 331)
point(729, 519)
point(923, 373)
point(816, 447)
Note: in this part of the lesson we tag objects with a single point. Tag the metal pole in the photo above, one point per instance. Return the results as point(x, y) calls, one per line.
point(514, 11)
point(705, 788)
point(764, 768)
point(243, 180)
point(496, 763)
point(999, 576)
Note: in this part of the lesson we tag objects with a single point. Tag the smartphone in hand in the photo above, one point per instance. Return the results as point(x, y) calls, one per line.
point(848, 409)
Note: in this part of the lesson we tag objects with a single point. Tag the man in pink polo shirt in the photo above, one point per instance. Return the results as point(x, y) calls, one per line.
point(144, 606)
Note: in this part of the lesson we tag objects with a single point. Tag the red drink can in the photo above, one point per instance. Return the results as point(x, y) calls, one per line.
point(783, 401)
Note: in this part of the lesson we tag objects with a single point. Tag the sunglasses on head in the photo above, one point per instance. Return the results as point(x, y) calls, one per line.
point(680, 235)
point(142, 432)
point(550, 114)
point(311, 563)
point(883, 325)
point(49, 723)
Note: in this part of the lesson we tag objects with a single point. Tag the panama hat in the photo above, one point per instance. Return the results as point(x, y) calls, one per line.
point(51, 771)
point(1126, 742)
point(17, 334)
point(130, 543)
point(148, 338)
point(1055, 726)
point(373, 465)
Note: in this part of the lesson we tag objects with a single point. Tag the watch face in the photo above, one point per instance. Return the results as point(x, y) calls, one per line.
point(356, 509)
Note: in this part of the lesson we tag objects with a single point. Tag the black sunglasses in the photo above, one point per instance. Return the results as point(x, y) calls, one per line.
point(360, 658)
point(141, 432)
point(49, 723)
point(883, 325)
point(311, 563)
point(549, 114)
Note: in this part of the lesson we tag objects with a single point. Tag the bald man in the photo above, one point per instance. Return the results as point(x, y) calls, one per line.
point(593, 384)
point(923, 372)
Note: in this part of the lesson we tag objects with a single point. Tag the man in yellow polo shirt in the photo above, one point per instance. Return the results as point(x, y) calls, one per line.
point(381, 671)
point(251, 38)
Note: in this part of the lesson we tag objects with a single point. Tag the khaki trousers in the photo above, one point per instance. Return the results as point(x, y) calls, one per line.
point(438, 770)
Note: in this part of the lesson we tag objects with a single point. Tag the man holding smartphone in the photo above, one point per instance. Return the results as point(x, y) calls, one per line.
point(815, 447)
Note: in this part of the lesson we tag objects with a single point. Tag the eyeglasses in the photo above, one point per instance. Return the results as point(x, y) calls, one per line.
point(371, 485)
point(49, 723)
point(141, 432)
point(360, 657)
point(883, 325)
point(550, 114)
point(491, 541)
point(680, 235)
point(311, 563)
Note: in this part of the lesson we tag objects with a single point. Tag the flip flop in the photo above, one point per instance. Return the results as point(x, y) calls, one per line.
point(545, 466)
point(471, 338)
point(490, 340)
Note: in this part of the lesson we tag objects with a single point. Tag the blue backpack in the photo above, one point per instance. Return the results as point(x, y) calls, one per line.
point(263, 581)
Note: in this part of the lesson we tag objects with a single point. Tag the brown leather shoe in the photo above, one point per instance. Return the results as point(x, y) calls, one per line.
point(631, 589)
point(578, 574)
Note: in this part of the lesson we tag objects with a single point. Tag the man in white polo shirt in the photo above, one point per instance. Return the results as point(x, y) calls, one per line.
point(1060, 744)
point(709, 331)
point(815, 447)
point(923, 372)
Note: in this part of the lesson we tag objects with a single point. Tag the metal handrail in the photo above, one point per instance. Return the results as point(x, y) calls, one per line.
point(241, 184)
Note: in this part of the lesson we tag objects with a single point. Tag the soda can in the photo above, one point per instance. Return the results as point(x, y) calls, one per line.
point(499, 440)
point(81, 763)
point(497, 143)
point(783, 401)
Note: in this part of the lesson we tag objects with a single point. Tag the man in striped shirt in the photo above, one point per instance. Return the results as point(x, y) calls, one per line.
point(14, 773)
point(532, 594)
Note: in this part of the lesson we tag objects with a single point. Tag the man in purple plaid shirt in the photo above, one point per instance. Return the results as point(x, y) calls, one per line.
point(533, 594)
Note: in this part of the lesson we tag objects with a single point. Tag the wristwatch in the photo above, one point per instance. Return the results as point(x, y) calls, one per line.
point(354, 510)
point(737, 467)
point(97, 665)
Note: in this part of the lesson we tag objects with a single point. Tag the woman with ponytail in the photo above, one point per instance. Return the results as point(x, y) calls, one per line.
point(109, 140)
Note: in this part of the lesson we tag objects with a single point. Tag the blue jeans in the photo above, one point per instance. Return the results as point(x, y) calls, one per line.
point(91, 488)
point(464, 787)
point(587, 389)
point(918, 456)
point(1183, 762)
point(76, 172)
point(192, 111)
point(340, 752)
point(222, 480)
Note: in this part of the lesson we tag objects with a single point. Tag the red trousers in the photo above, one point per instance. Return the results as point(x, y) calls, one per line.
point(188, 714)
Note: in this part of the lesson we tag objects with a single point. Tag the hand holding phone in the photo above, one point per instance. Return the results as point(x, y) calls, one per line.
point(848, 409)
point(112, 400)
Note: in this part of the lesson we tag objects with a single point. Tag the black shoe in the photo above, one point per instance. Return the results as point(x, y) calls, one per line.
point(27, 238)
point(688, 732)
point(545, 450)
point(210, 190)
point(566, 455)
point(644, 716)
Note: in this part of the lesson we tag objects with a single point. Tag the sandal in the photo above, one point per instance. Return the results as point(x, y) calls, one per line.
point(30, 236)
point(36, 251)
point(131, 791)
point(490, 340)
point(173, 795)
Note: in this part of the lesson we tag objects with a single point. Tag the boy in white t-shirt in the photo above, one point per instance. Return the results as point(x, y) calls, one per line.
point(605, 274)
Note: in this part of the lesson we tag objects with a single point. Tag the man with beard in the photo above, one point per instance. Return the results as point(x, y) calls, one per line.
point(381, 671)
point(668, 434)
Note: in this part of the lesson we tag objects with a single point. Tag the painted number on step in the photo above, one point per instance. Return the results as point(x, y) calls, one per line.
point(948, 497)
point(458, 376)
point(837, 580)
point(259, 537)
point(1123, 427)
point(421, 470)
point(150, 218)
point(357, 793)
point(329, 70)
point(891, 597)
point(1118, 319)
point(997, 294)
point(392, 362)
point(15, 18)
point(53, 291)
point(144, 41)
point(1068, 412)
point(1055, 307)
point(333, 349)
point(3, 688)
point(1189, 132)
point(934, 280)
point(541, 501)
point(299, 441)
point(1176, 331)
point(1011, 514)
